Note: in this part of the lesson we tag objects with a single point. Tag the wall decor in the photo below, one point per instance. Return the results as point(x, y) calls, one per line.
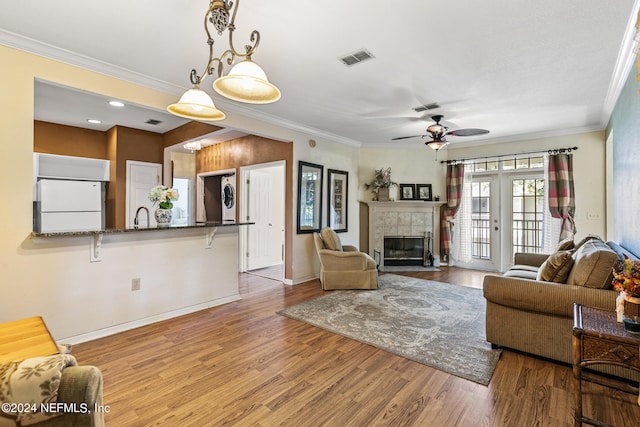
point(309, 197)
point(423, 192)
point(407, 191)
point(338, 185)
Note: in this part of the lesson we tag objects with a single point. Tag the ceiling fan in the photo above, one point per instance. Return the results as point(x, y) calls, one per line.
point(438, 132)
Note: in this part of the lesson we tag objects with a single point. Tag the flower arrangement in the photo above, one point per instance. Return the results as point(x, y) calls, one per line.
point(163, 196)
point(626, 277)
point(381, 179)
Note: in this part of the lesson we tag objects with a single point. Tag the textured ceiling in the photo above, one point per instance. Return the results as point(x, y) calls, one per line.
point(516, 67)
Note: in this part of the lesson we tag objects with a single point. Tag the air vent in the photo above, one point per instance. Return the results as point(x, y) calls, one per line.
point(153, 122)
point(356, 57)
point(426, 107)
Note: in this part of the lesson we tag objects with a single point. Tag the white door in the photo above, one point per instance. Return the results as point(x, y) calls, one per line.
point(485, 230)
point(141, 178)
point(260, 212)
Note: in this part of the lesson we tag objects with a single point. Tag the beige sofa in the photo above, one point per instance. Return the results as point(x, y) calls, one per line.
point(343, 266)
point(530, 307)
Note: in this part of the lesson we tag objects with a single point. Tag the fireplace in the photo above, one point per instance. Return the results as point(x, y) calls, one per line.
point(407, 250)
point(405, 220)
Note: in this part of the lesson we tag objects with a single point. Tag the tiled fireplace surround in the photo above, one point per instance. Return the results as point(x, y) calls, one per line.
point(403, 218)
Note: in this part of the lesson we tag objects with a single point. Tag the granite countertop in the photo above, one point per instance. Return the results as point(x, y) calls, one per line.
point(136, 230)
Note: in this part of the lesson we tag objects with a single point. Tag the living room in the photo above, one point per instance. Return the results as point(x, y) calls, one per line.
point(56, 280)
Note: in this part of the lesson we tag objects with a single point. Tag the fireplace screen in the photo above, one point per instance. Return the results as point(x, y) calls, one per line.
point(406, 251)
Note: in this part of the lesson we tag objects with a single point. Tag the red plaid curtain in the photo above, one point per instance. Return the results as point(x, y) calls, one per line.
point(561, 194)
point(455, 180)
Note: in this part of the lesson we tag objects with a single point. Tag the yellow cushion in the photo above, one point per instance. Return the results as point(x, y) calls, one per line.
point(331, 239)
point(556, 268)
point(565, 245)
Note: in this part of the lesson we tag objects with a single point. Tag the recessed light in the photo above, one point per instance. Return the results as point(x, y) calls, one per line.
point(94, 121)
point(116, 104)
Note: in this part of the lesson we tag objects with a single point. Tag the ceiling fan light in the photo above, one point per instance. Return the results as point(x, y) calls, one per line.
point(437, 144)
point(247, 82)
point(196, 104)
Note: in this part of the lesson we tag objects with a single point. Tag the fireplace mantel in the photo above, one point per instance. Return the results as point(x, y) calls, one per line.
point(403, 218)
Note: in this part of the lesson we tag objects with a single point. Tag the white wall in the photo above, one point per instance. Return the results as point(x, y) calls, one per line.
point(408, 166)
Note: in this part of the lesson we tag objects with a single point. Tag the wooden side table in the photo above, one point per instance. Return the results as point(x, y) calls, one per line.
point(598, 339)
point(25, 338)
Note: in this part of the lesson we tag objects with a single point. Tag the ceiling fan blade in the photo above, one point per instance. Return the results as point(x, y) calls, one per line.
point(406, 137)
point(468, 132)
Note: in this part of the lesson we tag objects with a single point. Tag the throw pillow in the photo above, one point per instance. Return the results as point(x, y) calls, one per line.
point(565, 245)
point(331, 239)
point(556, 268)
point(584, 240)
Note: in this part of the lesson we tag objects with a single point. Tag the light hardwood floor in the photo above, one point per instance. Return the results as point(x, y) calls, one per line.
point(242, 364)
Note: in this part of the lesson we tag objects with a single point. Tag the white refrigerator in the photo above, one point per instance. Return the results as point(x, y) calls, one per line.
point(70, 205)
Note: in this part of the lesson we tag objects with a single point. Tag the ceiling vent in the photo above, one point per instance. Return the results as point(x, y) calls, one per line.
point(426, 107)
point(356, 57)
point(153, 122)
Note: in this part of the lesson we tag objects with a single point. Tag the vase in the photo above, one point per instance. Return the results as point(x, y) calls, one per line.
point(631, 316)
point(163, 217)
point(383, 195)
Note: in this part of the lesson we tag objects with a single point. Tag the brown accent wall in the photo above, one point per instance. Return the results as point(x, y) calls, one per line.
point(132, 144)
point(253, 150)
point(188, 131)
point(51, 138)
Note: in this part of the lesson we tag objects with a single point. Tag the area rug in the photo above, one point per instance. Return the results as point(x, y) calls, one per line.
point(433, 323)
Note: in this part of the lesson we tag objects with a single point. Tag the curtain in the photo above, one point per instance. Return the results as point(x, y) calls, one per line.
point(455, 181)
point(551, 226)
point(561, 193)
point(461, 238)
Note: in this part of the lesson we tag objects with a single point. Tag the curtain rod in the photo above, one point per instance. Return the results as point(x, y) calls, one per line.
point(550, 151)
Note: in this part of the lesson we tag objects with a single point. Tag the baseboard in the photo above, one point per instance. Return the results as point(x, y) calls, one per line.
point(101, 333)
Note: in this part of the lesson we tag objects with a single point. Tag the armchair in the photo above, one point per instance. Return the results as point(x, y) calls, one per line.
point(343, 267)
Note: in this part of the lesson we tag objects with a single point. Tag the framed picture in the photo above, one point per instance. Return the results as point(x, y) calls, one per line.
point(407, 191)
point(309, 197)
point(338, 185)
point(424, 191)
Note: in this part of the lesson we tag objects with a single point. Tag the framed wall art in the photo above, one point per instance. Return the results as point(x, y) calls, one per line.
point(424, 192)
point(309, 197)
point(338, 185)
point(407, 191)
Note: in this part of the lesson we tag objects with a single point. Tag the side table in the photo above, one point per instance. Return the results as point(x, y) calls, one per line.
point(598, 339)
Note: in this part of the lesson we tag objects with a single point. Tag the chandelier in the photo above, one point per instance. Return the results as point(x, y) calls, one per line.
point(245, 82)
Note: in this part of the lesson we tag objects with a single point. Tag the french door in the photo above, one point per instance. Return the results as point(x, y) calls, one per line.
point(502, 214)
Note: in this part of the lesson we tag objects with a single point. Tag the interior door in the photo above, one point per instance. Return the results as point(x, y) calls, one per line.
point(260, 212)
point(141, 178)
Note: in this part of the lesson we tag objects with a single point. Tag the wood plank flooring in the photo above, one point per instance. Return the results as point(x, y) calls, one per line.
point(241, 364)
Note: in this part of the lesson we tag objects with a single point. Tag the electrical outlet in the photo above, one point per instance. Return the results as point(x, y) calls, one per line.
point(135, 284)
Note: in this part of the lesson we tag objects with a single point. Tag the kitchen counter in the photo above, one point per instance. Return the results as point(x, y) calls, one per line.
point(135, 230)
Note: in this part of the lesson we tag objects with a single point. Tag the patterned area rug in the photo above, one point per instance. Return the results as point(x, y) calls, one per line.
point(433, 323)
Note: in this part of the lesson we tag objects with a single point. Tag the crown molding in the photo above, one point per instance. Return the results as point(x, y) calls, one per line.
point(46, 50)
point(623, 65)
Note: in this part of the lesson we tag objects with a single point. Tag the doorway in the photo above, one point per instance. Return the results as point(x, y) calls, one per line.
point(141, 178)
point(263, 202)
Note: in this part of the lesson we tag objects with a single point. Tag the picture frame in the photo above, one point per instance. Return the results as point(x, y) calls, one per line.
point(337, 206)
point(309, 216)
point(407, 191)
point(424, 192)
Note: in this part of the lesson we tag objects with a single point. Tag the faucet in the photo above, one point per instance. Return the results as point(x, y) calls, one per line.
point(135, 221)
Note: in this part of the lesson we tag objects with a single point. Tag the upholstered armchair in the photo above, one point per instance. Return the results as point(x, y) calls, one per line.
point(343, 267)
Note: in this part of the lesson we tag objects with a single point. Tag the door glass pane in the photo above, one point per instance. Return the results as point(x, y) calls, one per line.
point(527, 214)
point(480, 220)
